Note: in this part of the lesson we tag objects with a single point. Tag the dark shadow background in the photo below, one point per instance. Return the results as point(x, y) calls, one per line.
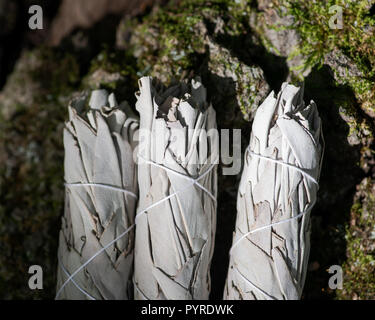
point(15, 34)
point(339, 177)
point(340, 172)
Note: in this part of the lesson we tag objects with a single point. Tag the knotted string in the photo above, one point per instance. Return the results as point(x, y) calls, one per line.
point(194, 181)
point(304, 172)
point(75, 283)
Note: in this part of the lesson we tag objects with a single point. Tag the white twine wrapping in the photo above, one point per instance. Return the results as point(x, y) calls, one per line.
point(194, 181)
point(301, 170)
point(101, 191)
point(173, 248)
point(278, 188)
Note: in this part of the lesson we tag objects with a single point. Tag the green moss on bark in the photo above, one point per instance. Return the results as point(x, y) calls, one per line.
point(355, 40)
point(359, 269)
point(178, 42)
point(31, 169)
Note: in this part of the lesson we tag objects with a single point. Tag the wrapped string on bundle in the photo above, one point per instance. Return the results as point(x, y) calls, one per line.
point(95, 249)
point(278, 188)
point(177, 173)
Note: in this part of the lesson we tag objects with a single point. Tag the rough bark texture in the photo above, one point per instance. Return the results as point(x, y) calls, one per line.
point(171, 42)
point(82, 14)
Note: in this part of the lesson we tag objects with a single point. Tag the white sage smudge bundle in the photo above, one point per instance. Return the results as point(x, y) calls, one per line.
point(278, 189)
point(100, 201)
point(176, 218)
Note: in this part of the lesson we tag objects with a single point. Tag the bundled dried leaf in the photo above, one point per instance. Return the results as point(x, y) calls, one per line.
point(100, 200)
point(278, 189)
point(176, 219)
